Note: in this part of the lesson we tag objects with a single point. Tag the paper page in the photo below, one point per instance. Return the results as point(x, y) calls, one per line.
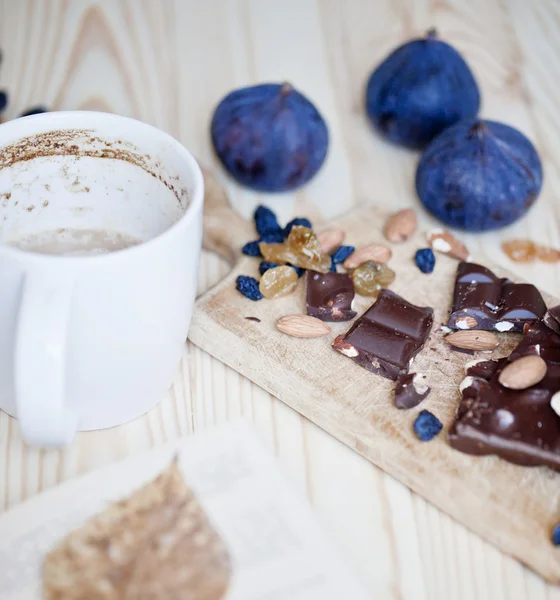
point(278, 550)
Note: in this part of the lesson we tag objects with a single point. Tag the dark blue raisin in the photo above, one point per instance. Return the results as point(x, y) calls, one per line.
point(556, 535)
point(265, 221)
point(3, 100)
point(342, 253)
point(251, 249)
point(272, 237)
point(298, 270)
point(36, 110)
point(425, 260)
point(302, 222)
point(265, 265)
point(249, 287)
point(426, 426)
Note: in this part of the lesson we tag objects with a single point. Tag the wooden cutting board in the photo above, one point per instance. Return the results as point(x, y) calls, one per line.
point(513, 507)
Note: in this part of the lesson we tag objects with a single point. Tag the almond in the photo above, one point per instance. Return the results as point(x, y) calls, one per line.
point(473, 340)
point(442, 241)
point(302, 326)
point(330, 240)
point(401, 225)
point(344, 347)
point(523, 373)
point(375, 252)
point(555, 403)
point(548, 254)
point(466, 322)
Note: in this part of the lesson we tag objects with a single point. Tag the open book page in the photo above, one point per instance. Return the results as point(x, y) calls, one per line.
point(277, 549)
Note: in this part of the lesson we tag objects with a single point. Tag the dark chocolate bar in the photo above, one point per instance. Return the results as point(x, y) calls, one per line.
point(520, 426)
point(483, 301)
point(329, 296)
point(387, 337)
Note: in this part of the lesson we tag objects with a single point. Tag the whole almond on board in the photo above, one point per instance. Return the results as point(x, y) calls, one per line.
point(376, 252)
point(548, 254)
point(473, 340)
point(330, 240)
point(520, 250)
point(302, 326)
point(401, 225)
point(442, 241)
point(523, 372)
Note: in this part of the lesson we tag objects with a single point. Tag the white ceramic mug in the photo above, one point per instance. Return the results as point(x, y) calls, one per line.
point(92, 341)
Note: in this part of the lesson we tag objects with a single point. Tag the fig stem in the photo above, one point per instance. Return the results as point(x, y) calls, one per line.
point(286, 88)
point(478, 129)
point(432, 33)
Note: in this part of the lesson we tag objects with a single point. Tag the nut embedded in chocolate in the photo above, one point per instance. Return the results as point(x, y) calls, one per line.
point(329, 296)
point(347, 349)
point(410, 390)
point(387, 336)
point(519, 425)
point(484, 301)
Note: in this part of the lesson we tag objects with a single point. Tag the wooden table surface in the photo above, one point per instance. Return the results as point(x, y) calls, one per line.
point(168, 63)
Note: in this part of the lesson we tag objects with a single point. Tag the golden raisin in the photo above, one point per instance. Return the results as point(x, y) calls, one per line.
point(520, 250)
point(371, 277)
point(548, 254)
point(278, 253)
point(278, 282)
point(301, 249)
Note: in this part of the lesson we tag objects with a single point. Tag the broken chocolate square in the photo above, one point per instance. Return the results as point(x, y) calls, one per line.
point(483, 301)
point(410, 390)
point(329, 296)
point(520, 426)
point(387, 337)
point(552, 318)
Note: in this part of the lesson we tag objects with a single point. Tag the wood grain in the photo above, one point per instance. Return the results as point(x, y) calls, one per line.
point(169, 63)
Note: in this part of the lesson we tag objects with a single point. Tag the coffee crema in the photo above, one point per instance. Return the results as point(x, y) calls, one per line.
point(74, 242)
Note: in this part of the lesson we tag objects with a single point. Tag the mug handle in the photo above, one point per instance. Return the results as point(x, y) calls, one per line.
point(40, 360)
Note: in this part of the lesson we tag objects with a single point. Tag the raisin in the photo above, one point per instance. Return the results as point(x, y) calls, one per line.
point(277, 282)
point(249, 287)
point(305, 245)
point(520, 250)
point(265, 221)
point(427, 426)
point(278, 253)
point(371, 277)
point(425, 260)
point(251, 249)
point(342, 253)
point(301, 249)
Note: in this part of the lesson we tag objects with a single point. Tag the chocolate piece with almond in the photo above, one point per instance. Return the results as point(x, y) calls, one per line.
point(387, 337)
point(410, 390)
point(552, 318)
point(507, 405)
point(484, 301)
point(329, 296)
